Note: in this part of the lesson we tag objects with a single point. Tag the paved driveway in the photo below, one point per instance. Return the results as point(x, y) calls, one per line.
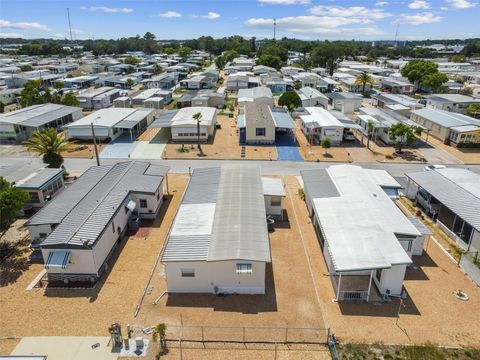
point(120, 148)
point(151, 149)
point(438, 156)
point(287, 150)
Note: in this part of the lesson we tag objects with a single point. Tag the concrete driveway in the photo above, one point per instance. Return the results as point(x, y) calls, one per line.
point(438, 156)
point(151, 149)
point(66, 348)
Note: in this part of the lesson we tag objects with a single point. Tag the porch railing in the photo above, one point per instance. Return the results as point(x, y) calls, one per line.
point(353, 295)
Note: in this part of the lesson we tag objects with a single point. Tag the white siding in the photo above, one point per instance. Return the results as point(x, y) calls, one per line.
point(392, 279)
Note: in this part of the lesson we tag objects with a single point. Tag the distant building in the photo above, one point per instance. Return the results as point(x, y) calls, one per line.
point(451, 102)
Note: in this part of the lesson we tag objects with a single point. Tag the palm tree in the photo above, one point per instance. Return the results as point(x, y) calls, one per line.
point(363, 79)
point(198, 116)
point(49, 143)
point(326, 144)
point(370, 127)
point(159, 333)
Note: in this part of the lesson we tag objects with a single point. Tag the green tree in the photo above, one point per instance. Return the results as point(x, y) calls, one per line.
point(362, 80)
point(297, 84)
point(197, 117)
point(402, 135)
point(70, 99)
point(131, 60)
point(157, 69)
point(417, 70)
point(169, 50)
point(12, 200)
point(273, 61)
point(474, 110)
point(149, 36)
point(184, 52)
point(32, 93)
point(49, 144)
point(326, 144)
point(290, 99)
point(220, 62)
point(129, 83)
point(25, 68)
point(434, 81)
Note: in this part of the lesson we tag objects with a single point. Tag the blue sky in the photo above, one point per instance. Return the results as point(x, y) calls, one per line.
point(185, 19)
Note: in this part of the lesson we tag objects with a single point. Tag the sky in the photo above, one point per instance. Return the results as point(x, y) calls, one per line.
point(187, 19)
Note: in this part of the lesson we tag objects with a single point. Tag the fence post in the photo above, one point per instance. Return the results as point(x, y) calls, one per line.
point(459, 259)
point(203, 339)
point(286, 334)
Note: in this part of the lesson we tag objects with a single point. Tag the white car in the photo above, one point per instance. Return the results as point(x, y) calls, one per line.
point(434, 167)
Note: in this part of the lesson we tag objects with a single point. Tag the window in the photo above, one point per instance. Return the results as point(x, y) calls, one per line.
point(260, 131)
point(244, 268)
point(34, 197)
point(158, 195)
point(143, 203)
point(275, 201)
point(188, 272)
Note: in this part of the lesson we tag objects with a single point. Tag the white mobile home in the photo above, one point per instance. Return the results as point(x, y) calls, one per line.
point(345, 102)
point(259, 95)
point(79, 230)
point(111, 123)
point(319, 123)
point(366, 240)
point(451, 102)
point(312, 97)
point(219, 240)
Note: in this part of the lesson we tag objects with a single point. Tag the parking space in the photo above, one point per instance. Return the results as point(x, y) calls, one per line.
point(120, 148)
point(287, 149)
point(152, 146)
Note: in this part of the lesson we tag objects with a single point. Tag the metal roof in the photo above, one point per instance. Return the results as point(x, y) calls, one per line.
point(445, 118)
point(282, 119)
point(457, 189)
point(454, 98)
point(322, 117)
point(38, 115)
point(105, 117)
point(318, 184)
point(360, 225)
point(133, 119)
point(203, 186)
point(29, 176)
point(273, 186)
point(239, 226)
point(164, 120)
point(89, 216)
point(254, 93)
point(344, 96)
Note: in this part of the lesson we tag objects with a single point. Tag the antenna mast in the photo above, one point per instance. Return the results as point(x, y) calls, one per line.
point(69, 24)
point(274, 29)
point(396, 35)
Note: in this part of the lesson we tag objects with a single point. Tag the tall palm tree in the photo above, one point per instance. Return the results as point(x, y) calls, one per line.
point(198, 116)
point(49, 143)
point(370, 127)
point(363, 79)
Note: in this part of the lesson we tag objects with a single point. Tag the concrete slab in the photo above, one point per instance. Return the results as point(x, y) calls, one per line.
point(120, 148)
point(66, 348)
point(152, 149)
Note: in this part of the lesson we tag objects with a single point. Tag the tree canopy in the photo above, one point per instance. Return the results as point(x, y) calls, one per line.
point(131, 60)
point(12, 200)
point(434, 81)
point(474, 110)
point(290, 99)
point(273, 61)
point(403, 135)
point(417, 70)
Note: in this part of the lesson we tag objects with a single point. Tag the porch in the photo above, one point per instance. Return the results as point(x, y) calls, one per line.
point(355, 287)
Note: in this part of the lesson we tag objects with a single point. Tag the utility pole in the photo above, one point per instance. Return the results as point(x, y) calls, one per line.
point(69, 24)
point(95, 144)
point(274, 29)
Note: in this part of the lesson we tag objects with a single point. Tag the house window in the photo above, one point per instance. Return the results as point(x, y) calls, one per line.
point(244, 268)
point(275, 201)
point(260, 131)
point(34, 197)
point(158, 195)
point(143, 203)
point(188, 272)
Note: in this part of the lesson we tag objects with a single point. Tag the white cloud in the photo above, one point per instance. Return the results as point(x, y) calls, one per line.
point(284, 2)
point(317, 25)
point(58, 36)
point(461, 4)
point(381, 3)
point(419, 18)
point(107, 9)
point(211, 16)
point(11, 35)
point(23, 25)
point(352, 11)
point(419, 4)
point(170, 14)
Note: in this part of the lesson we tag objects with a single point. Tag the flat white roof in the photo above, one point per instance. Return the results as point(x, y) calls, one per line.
point(360, 224)
point(323, 117)
point(185, 116)
point(273, 186)
point(194, 219)
point(104, 117)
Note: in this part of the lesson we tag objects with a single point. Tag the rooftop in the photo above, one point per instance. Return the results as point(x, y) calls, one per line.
point(446, 118)
point(37, 115)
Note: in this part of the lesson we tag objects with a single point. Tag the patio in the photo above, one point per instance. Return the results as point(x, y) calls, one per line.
point(355, 288)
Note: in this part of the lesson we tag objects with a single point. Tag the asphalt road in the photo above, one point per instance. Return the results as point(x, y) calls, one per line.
point(78, 166)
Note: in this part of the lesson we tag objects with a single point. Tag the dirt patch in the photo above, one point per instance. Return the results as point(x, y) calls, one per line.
point(224, 145)
point(8, 345)
point(83, 150)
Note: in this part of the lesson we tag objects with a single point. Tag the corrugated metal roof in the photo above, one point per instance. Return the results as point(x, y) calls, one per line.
point(446, 118)
point(239, 227)
point(273, 186)
point(458, 195)
point(133, 119)
point(32, 175)
point(203, 186)
point(87, 219)
point(38, 115)
point(164, 120)
point(318, 184)
point(282, 119)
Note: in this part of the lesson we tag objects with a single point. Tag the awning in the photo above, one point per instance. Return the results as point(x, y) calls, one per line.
point(130, 205)
point(57, 260)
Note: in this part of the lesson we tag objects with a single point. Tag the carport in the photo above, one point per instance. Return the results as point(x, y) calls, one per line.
point(164, 120)
point(135, 123)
